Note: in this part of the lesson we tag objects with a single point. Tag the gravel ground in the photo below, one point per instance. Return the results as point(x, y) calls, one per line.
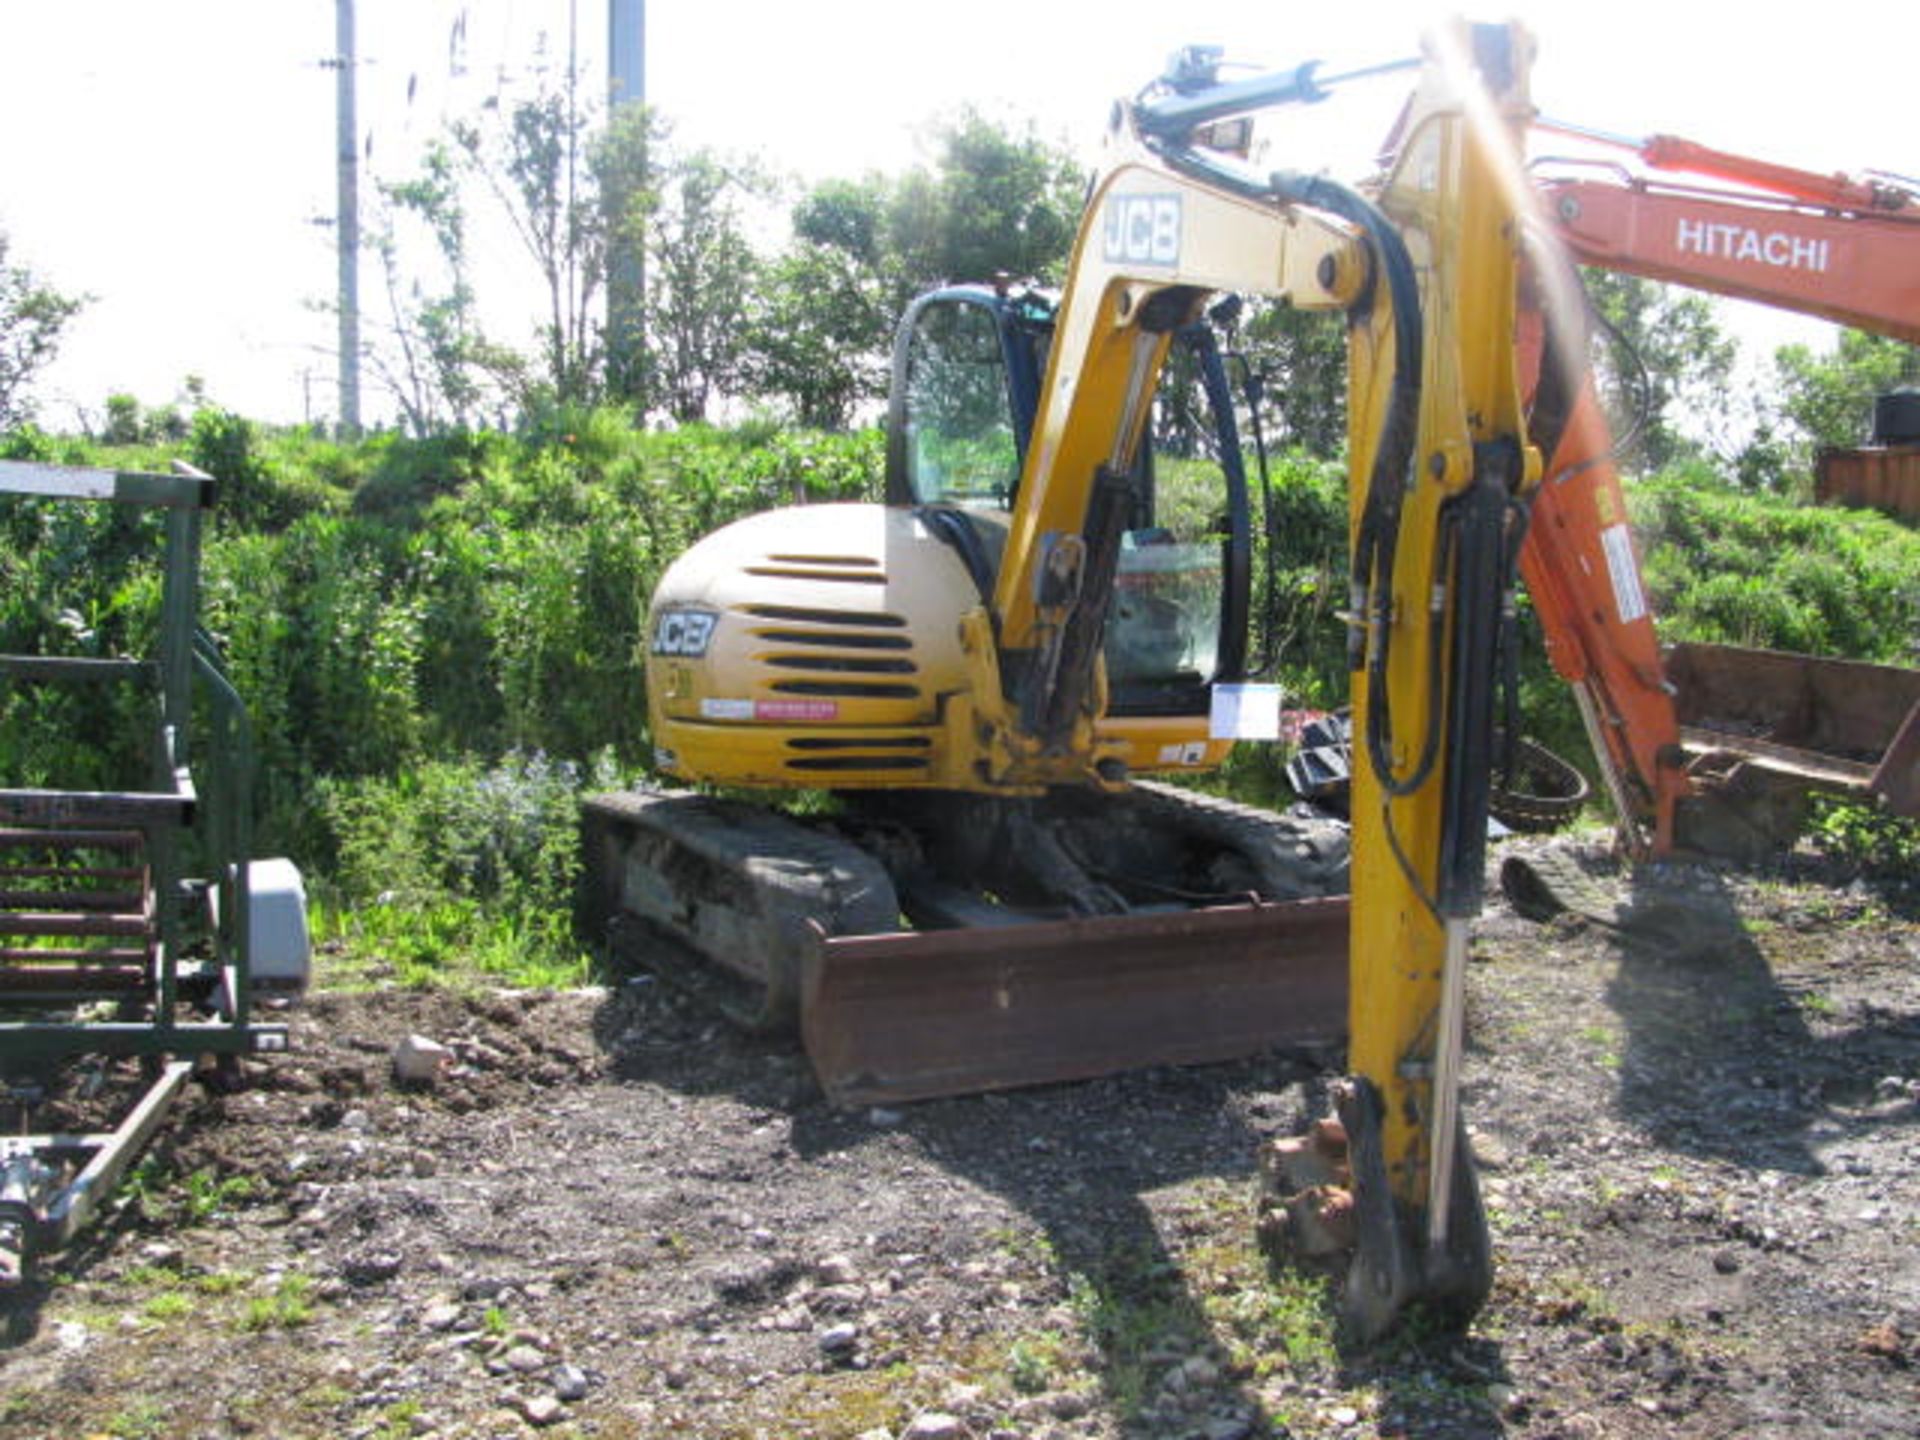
point(613, 1217)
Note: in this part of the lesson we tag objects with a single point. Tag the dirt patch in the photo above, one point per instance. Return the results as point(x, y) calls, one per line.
point(613, 1216)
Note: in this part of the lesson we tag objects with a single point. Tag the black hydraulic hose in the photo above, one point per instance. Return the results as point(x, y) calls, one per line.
point(1237, 556)
point(1378, 535)
point(1255, 385)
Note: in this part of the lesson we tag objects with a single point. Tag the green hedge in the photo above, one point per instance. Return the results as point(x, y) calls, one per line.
point(1736, 567)
point(430, 633)
point(396, 602)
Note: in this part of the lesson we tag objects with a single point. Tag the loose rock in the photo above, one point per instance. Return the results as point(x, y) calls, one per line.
point(541, 1410)
point(933, 1426)
point(836, 1270)
point(419, 1061)
point(525, 1359)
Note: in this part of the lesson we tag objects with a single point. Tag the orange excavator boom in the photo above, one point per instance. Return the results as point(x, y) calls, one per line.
point(1832, 246)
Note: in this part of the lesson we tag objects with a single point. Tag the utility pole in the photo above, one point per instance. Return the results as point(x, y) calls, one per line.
point(626, 256)
point(626, 53)
point(348, 227)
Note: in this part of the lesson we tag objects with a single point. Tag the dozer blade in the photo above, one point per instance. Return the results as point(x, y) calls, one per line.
point(916, 1015)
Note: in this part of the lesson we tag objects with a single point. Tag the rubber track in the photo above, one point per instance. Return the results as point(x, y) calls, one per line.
point(740, 885)
point(1294, 858)
point(1554, 794)
point(1545, 881)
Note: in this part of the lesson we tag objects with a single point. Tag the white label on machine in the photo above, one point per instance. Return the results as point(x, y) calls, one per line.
point(1625, 573)
point(1193, 752)
point(1245, 712)
point(711, 709)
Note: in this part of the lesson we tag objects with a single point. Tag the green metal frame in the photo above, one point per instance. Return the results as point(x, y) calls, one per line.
point(196, 811)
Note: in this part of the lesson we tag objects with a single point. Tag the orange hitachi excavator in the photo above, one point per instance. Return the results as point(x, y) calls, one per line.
point(1844, 249)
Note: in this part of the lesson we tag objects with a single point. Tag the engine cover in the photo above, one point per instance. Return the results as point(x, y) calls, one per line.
point(814, 646)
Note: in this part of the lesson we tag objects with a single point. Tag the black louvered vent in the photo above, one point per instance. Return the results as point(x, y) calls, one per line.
point(832, 654)
point(818, 754)
point(841, 569)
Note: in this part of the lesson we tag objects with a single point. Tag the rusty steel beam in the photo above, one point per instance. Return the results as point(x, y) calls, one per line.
point(20, 922)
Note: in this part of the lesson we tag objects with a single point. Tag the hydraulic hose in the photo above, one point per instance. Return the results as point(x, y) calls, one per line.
point(1378, 536)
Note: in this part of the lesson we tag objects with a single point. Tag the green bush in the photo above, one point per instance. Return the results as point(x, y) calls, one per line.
point(1728, 566)
point(1306, 551)
point(501, 832)
point(80, 581)
point(258, 489)
point(1868, 837)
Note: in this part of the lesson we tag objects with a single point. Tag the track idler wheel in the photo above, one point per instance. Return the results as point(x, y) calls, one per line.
point(1325, 1204)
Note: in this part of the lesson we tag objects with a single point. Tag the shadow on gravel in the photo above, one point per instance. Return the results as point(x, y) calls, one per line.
point(1719, 1058)
point(1083, 1163)
point(23, 1305)
point(23, 1302)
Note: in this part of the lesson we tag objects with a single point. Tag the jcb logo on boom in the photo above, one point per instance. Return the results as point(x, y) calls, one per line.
point(1143, 230)
point(683, 632)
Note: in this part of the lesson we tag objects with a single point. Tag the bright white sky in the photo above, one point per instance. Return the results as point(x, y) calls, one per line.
point(168, 159)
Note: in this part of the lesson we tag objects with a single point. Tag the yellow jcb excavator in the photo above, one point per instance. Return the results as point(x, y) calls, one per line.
point(1045, 610)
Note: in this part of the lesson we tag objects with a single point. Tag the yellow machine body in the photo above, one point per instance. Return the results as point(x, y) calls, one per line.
point(846, 647)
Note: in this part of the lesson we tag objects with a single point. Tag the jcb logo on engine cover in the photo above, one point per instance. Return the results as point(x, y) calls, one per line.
point(1142, 230)
point(683, 632)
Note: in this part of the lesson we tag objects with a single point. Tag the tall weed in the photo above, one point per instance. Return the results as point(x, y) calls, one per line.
point(1730, 566)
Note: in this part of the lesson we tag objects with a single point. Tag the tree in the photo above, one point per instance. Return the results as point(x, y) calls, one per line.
point(845, 215)
point(533, 158)
point(32, 317)
point(1670, 358)
point(817, 337)
point(1819, 402)
point(811, 327)
point(701, 275)
point(436, 363)
point(995, 200)
point(824, 314)
point(1827, 400)
point(1301, 359)
point(579, 200)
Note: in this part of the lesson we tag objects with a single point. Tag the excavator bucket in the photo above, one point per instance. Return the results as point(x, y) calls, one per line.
point(1763, 720)
point(915, 1015)
point(1898, 776)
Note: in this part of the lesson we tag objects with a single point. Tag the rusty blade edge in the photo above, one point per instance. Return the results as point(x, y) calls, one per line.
point(918, 1015)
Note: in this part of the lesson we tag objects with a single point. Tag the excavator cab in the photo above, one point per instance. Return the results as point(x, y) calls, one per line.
point(967, 371)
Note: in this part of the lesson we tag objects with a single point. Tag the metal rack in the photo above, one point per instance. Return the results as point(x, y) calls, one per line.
point(128, 916)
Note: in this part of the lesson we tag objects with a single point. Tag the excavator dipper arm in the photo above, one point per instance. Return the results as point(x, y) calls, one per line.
point(1442, 468)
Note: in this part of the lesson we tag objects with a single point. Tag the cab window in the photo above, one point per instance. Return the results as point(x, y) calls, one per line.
point(960, 447)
